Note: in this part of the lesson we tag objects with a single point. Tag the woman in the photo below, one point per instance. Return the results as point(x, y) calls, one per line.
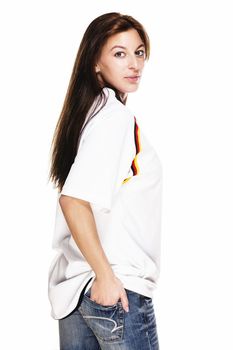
point(109, 178)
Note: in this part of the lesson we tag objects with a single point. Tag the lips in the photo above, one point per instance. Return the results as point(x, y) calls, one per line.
point(134, 76)
point(134, 79)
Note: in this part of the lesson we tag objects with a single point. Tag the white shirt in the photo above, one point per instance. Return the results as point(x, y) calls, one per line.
point(118, 171)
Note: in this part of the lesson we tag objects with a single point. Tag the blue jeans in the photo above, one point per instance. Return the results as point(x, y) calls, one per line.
point(91, 326)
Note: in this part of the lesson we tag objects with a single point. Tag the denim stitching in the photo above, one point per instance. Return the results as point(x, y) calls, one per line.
point(105, 318)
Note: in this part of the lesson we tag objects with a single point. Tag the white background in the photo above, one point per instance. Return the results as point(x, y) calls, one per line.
point(184, 105)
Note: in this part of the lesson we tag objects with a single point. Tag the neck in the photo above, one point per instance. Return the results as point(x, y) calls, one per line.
point(123, 97)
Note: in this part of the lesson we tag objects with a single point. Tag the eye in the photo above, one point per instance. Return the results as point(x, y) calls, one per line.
point(140, 53)
point(118, 54)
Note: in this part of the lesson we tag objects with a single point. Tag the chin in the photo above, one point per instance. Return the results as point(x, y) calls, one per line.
point(129, 89)
point(132, 88)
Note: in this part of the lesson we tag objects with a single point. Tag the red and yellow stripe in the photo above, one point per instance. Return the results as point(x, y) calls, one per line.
point(137, 140)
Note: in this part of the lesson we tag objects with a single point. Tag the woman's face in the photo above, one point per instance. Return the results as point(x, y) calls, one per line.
point(121, 61)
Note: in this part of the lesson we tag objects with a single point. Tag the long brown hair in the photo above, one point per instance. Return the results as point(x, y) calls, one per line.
point(83, 89)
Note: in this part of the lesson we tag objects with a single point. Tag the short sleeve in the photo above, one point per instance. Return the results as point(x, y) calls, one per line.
point(103, 160)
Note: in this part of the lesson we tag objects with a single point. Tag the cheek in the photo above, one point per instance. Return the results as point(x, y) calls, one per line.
point(141, 64)
point(113, 69)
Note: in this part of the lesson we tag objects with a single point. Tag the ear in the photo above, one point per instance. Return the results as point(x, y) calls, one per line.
point(97, 69)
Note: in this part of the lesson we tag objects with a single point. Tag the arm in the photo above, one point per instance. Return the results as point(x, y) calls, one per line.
point(80, 220)
point(107, 288)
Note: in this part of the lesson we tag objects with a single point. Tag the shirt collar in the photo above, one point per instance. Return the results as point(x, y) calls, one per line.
point(109, 92)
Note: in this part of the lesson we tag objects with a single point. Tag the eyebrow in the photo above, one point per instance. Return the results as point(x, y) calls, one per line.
point(123, 47)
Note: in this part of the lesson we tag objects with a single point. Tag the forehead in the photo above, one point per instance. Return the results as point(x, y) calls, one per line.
point(128, 39)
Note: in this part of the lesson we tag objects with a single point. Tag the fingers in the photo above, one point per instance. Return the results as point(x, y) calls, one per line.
point(124, 301)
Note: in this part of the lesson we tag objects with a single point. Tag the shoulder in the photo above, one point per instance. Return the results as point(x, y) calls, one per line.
point(112, 115)
point(114, 107)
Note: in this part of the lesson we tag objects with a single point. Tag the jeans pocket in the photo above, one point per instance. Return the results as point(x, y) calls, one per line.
point(106, 322)
point(87, 297)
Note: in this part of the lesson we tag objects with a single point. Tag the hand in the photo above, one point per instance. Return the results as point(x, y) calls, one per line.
point(108, 290)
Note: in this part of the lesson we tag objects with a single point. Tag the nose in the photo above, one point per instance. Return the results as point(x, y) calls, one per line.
point(133, 63)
